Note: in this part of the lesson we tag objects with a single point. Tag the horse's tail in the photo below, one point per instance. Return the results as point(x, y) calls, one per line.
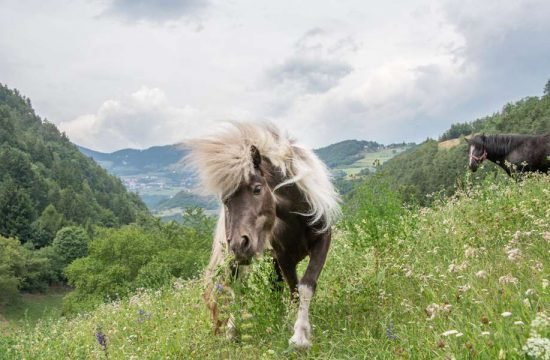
point(216, 259)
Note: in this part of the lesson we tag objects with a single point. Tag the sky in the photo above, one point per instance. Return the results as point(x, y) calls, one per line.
point(114, 74)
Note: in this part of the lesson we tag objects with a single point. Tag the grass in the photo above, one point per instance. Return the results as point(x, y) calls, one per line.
point(32, 308)
point(464, 279)
point(369, 160)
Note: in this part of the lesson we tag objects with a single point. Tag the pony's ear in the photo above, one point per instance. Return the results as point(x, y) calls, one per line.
point(256, 157)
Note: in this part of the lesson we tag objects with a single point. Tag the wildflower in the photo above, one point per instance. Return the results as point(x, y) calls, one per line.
point(537, 348)
point(219, 288)
point(481, 274)
point(459, 334)
point(520, 323)
point(506, 314)
point(470, 252)
point(101, 338)
point(545, 283)
point(537, 345)
point(538, 266)
point(507, 279)
point(389, 332)
point(485, 333)
point(449, 332)
point(513, 254)
point(530, 292)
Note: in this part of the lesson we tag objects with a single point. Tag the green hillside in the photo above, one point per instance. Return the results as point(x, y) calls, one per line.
point(463, 279)
point(430, 168)
point(46, 183)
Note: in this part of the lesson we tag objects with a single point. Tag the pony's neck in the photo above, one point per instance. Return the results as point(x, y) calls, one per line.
point(498, 147)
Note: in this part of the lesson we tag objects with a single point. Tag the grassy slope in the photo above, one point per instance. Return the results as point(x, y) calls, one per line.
point(368, 160)
point(365, 307)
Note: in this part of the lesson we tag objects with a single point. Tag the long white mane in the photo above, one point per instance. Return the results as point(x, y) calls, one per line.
point(223, 160)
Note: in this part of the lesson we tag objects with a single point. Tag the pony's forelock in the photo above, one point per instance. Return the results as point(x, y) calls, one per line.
point(223, 161)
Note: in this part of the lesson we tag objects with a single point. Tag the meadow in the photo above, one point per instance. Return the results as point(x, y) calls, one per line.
point(466, 278)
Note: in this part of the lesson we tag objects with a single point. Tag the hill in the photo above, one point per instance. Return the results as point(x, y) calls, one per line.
point(162, 181)
point(46, 183)
point(440, 167)
point(463, 279)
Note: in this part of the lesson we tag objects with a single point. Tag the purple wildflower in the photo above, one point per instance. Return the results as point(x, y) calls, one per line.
point(101, 339)
point(389, 332)
point(219, 288)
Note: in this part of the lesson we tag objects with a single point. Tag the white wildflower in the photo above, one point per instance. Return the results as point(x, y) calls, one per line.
point(519, 323)
point(537, 348)
point(545, 283)
point(459, 334)
point(470, 252)
point(506, 314)
point(507, 279)
point(449, 332)
point(513, 254)
point(530, 292)
point(482, 274)
point(485, 333)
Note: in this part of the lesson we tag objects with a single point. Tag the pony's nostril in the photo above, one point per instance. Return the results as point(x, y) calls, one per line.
point(245, 241)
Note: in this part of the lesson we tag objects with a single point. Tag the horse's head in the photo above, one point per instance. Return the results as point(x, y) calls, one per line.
point(250, 212)
point(477, 151)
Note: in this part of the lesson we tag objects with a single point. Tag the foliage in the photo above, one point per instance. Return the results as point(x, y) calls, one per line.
point(46, 183)
point(138, 256)
point(20, 269)
point(345, 152)
point(464, 279)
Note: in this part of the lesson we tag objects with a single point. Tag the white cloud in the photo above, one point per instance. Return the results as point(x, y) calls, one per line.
point(326, 71)
point(143, 119)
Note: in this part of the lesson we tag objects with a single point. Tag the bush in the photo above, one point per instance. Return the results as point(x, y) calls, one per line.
point(146, 255)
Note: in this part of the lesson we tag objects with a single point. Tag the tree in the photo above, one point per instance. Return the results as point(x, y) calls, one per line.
point(70, 243)
point(16, 211)
point(547, 88)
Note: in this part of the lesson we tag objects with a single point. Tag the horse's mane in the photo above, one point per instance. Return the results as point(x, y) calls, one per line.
point(500, 145)
point(223, 160)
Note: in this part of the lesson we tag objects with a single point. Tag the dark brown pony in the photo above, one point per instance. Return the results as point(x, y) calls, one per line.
point(513, 153)
point(275, 195)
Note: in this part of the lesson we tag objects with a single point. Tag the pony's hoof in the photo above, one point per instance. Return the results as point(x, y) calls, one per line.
point(299, 342)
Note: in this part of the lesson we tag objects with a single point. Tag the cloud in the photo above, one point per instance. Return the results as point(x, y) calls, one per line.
point(507, 41)
point(143, 119)
point(309, 74)
point(155, 11)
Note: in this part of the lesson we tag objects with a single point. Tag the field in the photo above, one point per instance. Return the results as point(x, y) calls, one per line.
point(369, 161)
point(30, 309)
point(466, 278)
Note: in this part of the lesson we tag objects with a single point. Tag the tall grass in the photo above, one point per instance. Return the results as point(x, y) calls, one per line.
point(466, 278)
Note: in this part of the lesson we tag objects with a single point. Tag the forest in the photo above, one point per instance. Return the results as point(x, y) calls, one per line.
point(54, 201)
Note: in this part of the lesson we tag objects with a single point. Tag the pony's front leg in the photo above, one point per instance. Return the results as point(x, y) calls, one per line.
point(306, 288)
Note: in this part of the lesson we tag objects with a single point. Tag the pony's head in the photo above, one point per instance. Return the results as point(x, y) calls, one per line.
point(477, 151)
point(250, 212)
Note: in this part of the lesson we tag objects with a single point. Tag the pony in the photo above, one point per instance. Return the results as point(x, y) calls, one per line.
point(521, 153)
point(274, 194)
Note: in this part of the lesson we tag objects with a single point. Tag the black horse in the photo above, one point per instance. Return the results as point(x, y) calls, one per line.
point(513, 153)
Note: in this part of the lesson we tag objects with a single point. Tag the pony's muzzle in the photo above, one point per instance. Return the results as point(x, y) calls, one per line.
point(242, 248)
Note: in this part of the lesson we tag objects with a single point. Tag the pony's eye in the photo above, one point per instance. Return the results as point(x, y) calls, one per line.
point(257, 189)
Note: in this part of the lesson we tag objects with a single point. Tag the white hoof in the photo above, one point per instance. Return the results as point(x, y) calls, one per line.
point(300, 339)
point(231, 332)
